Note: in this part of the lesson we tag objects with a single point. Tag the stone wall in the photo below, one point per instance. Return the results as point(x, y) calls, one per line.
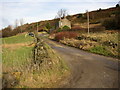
point(41, 54)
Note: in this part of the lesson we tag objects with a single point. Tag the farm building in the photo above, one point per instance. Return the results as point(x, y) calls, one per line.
point(63, 22)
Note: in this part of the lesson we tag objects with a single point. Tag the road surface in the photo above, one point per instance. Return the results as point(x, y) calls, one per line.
point(88, 70)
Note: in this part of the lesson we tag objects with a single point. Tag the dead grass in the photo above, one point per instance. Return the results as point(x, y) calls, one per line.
point(43, 77)
point(18, 66)
point(17, 45)
point(96, 43)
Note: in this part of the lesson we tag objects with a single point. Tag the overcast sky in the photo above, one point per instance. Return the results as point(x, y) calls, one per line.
point(37, 10)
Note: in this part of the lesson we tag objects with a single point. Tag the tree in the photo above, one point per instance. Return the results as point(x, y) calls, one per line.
point(21, 23)
point(6, 32)
point(48, 27)
point(10, 27)
point(100, 9)
point(117, 5)
point(16, 23)
point(62, 13)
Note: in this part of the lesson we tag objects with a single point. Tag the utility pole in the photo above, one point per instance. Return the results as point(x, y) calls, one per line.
point(36, 33)
point(37, 27)
point(88, 21)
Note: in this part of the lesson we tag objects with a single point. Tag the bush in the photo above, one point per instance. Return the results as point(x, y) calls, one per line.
point(113, 23)
point(109, 24)
point(79, 16)
point(65, 28)
point(6, 32)
point(59, 30)
point(48, 26)
point(117, 5)
point(65, 34)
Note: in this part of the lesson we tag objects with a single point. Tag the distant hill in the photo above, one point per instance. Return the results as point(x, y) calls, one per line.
point(78, 21)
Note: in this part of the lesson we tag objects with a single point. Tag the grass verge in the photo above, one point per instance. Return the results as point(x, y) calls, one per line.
point(100, 50)
point(45, 77)
point(19, 70)
point(103, 43)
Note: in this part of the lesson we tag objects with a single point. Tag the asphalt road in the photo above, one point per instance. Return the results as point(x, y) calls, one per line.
point(88, 70)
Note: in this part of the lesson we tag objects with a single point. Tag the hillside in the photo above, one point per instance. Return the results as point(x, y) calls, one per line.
point(78, 21)
point(65, 57)
point(23, 67)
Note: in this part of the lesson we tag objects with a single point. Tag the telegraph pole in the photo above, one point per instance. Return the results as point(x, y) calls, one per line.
point(37, 27)
point(88, 21)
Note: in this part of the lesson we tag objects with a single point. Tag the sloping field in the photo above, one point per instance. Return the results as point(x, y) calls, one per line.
point(19, 70)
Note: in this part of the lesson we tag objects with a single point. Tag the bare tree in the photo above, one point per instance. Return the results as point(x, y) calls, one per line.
point(10, 27)
point(62, 13)
point(16, 23)
point(21, 21)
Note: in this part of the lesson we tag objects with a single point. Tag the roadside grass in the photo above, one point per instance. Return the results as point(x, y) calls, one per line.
point(47, 77)
point(17, 62)
point(103, 43)
point(103, 36)
point(101, 50)
point(20, 38)
point(17, 56)
point(106, 43)
point(14, 52)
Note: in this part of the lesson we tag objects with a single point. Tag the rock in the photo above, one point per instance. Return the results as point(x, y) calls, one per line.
point(9, 81)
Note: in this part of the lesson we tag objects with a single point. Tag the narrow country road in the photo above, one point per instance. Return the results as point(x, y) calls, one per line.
point(87, 70)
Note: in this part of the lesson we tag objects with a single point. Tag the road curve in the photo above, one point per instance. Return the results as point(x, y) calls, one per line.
point(88, 70)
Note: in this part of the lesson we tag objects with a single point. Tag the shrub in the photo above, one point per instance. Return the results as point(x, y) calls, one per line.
point(59, 30)
point(6, 32)
point(109, 24)
point(79, 16)
point(99, 9)
point(113, 23)
point(65, 28)
point(48, 26)
point(117, 5)
point(65, 34)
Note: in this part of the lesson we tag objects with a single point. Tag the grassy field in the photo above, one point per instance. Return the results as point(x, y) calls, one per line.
point(17, 39)
point(17, 58)
point(16, 51)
